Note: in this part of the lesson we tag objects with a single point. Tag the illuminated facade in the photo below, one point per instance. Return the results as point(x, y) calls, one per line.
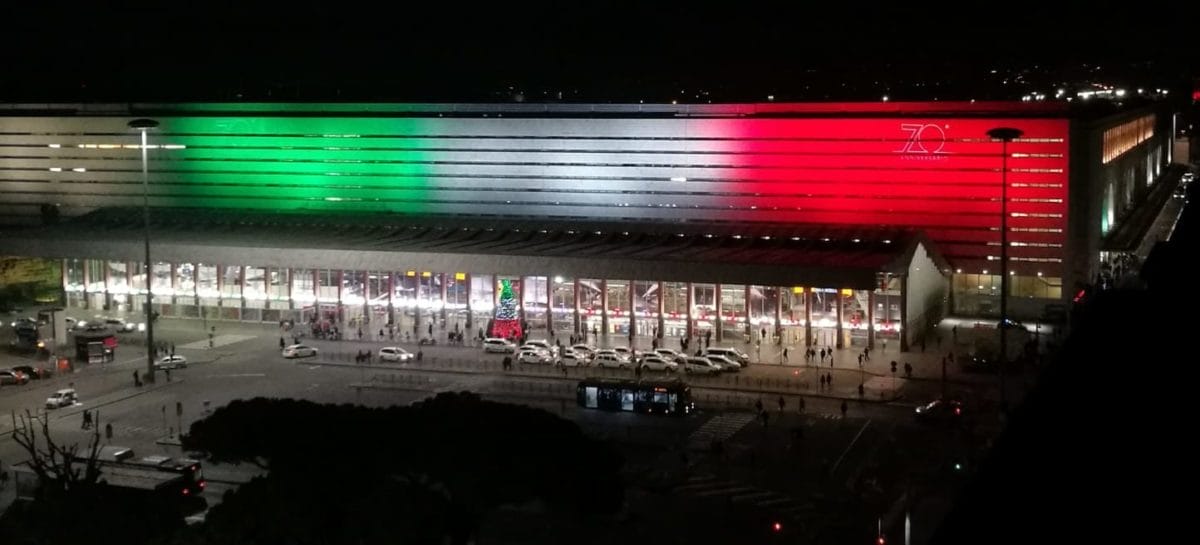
point(924, 167)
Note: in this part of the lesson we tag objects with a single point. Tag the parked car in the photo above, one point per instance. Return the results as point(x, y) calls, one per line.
point(658, 363)
point(62, 398)
point(395, 353)
point(171, 362)
point(9, 376)
point(700, 365)
point(573, 359)
point(725, 362)
point(670, 355)
point(584, 349)
point(742, 358)
point(536, 357)
point(542, 344)
point(34, 372)
point(299, 351)
point(611, 360)
point(496, 345)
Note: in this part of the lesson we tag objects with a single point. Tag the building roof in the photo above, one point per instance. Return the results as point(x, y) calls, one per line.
point(406, 109)
point(760, 254)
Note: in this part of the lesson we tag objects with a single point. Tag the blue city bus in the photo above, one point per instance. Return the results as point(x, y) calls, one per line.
point(671, 397)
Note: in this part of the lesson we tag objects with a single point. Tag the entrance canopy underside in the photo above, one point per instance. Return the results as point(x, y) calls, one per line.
point(682, 252)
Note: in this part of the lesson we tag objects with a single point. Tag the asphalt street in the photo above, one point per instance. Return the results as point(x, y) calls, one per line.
point(245, 362)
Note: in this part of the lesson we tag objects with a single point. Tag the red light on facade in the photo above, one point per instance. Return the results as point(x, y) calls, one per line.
point(777, 527)
point(1079, 296)
point(1196, 95)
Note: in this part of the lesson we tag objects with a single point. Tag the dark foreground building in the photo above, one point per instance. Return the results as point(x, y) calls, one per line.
point(831, 222)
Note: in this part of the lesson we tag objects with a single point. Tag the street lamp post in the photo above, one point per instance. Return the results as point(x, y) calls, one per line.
point(1004, 135)
point(142, 126)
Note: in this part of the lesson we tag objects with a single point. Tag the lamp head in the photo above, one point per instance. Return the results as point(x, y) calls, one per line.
point(1007, 134)
point(143, 124)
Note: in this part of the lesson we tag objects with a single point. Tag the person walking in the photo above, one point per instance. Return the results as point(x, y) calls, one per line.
point(844, 407)
point(87, 419)
point(282, 343)
point(782, 403)
point(800, 405)
point(785, 356)
point(137, 381)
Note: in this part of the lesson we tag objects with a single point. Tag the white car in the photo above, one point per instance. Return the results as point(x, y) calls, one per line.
point(499, 346)
point(724, 362)
point(669, 355)
point(62, 398)
point(536, 357)
point(700, 365)
point(299, 351)
point(584, 349)
point(658, 363)
point(733, 354)
point(395, 353)
point(610, 360)
point(573, 359)
point(171, 362)
point(542, 344)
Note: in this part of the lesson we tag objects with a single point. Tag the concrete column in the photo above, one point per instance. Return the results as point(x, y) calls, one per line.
point(63, 276)
point(196, 287)
point(904, 313)
point(808, 334)
point(108, 300)
point(417, 306)
point(691, 302)
point(470, 313)
point(719, 333)
point(575, 297)
point(87, 281)
point(662, 319)
point(748, 325)
point(442, 277)
point(220, 289)
point(174, 281)
point(291, 288)
point(550, 303)
point(242, 292)
point(316, 292)
point(391, 295)
point(521, 299)
point(779, 312)
point(841, 302)
point(632, 311)
point(871, 319)
point(341, 316)
point(604, 307)
point(129, 296)
point(366, 289)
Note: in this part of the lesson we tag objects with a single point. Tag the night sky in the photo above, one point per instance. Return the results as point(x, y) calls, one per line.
point(599, 51)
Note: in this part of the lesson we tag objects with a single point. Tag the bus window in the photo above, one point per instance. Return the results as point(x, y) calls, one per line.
point(626, 400)
point(590, 397)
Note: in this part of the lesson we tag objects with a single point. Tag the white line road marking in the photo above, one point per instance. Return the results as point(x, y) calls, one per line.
point(234, 375)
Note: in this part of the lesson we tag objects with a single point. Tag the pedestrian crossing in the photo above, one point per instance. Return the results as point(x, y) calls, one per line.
point(718, 428)
point(710, 487)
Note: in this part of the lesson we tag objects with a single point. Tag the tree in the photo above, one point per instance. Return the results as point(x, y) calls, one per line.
point(72, 505)
point(59, 467)
point(453, 458)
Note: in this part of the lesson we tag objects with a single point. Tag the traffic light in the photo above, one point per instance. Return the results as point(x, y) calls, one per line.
point(777, 527)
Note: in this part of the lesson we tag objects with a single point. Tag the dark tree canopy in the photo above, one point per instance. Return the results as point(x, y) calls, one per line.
point(343, 473)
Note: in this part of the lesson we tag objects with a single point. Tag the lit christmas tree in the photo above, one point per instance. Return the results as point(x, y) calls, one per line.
point(508, 322)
